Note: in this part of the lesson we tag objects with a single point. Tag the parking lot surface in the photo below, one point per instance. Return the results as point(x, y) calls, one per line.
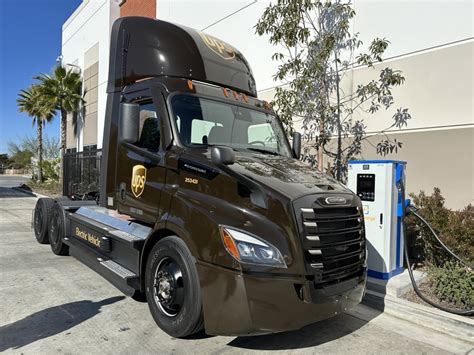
point(52, 304)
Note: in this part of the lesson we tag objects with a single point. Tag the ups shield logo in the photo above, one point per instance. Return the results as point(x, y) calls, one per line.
point(219, 47)
point(138, 180)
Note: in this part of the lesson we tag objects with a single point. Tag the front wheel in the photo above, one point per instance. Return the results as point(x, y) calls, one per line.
point(172, 288)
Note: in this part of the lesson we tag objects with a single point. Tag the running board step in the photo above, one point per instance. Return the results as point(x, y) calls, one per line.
point(116, 268)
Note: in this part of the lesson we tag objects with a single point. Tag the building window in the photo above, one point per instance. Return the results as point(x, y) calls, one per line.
point(88, 148)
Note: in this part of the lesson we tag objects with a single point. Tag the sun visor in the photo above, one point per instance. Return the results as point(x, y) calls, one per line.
point(142, 47)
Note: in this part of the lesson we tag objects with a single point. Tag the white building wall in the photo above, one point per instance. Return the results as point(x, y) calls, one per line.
point(88, 25)
point(412, 25)
point(438, 89)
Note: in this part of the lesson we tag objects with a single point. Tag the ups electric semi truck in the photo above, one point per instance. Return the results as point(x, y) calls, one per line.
point(205, 210)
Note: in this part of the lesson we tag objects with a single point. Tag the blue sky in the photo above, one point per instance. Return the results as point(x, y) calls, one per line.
point(30, 42)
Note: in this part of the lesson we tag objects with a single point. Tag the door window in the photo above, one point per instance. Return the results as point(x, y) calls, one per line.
point(149, 131)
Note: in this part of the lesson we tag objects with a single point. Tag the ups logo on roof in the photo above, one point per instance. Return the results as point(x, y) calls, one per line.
point(219, 47)
point(138, 180)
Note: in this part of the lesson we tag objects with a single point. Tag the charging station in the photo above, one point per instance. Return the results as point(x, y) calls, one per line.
point(378, 185)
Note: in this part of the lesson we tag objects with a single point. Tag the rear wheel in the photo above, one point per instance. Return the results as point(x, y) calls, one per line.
point(172, 288)
point(41, 219)
point(57, 231)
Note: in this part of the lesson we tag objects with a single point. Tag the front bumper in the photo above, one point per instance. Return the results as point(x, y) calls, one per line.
point(247, 304)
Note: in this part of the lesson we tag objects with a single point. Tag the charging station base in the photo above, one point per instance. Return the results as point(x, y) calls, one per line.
point(396, 285)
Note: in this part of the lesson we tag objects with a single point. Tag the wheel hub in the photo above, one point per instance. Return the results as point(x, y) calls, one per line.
point(168, 287)
point(165, 289)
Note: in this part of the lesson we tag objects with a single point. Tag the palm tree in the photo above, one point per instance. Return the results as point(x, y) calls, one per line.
point(63, 89)
point(40, 110)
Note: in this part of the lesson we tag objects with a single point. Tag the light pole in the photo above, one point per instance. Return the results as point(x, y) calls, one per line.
point(59, 60)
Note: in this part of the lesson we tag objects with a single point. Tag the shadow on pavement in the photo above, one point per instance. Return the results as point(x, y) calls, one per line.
point(16, 192)
point(309, 336)
point(49, 322)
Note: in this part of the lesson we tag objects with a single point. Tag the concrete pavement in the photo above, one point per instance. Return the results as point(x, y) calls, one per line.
point(13, 180)
point(9, 181)
point(52, 304)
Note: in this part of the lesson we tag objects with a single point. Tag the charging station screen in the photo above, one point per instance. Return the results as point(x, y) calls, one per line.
point(366, 187)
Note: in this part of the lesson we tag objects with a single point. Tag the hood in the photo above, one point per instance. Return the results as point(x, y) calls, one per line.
point(288, 176)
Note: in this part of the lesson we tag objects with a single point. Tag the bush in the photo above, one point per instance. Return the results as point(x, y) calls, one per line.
point(453, 283)
point(51, 170)
point(455, 229)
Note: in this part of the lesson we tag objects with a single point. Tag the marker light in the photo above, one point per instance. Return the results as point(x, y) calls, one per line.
point(236, 96)
point(226, 94)
point(248, 249)
point(190, 84)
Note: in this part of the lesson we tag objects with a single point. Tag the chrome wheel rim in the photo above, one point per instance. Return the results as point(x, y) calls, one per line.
point(168, 287)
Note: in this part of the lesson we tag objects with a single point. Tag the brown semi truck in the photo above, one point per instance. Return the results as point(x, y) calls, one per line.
point(205, 209)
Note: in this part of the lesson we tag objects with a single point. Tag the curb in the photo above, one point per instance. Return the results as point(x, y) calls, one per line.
point(25, 192)
point(456, 326)
point(29, 193)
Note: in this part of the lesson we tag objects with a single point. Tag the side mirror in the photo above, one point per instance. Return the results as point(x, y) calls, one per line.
point(129, 120)
point(221, 155)
point(297, 144)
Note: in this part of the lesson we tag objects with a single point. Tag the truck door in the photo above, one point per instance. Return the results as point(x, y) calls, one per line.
point(140, 166)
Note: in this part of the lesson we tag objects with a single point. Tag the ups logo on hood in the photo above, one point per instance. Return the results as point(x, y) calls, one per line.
point(138, 180)
point(219, 47)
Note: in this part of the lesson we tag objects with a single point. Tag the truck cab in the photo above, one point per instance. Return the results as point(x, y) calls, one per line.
point(205, 209)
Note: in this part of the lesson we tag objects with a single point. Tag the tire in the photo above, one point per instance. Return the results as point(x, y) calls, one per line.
point(41, 219)
point(57, 231)
point(177, 309)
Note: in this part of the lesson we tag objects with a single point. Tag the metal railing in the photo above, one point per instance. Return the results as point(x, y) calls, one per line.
point(81, 173)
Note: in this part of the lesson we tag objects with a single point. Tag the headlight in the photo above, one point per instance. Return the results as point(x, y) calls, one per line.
point(250, 249)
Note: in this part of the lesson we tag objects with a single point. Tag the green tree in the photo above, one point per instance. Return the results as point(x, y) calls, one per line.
point(64, 89)
point(51, 146)
point(319, 47)
point(41, 110)
point(21, 159)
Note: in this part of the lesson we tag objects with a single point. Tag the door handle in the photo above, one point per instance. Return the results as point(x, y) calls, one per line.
point(122, 191)
point(381, 218)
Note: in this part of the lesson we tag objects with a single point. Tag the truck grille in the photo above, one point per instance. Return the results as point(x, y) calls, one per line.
point(334, 243)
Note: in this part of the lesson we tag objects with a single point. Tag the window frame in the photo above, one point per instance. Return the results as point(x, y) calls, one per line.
point(146, 95)
point(146, 101)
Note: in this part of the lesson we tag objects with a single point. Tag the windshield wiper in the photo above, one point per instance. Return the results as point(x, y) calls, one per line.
point(263, 151)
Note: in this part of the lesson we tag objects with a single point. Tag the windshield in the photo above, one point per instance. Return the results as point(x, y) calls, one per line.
point(207, 122)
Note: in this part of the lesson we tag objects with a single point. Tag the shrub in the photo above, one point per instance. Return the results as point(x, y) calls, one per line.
point(455, 229)
point(51, 170)
point(453, 283)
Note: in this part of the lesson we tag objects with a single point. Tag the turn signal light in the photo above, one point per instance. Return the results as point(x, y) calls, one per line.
point(229, 244)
